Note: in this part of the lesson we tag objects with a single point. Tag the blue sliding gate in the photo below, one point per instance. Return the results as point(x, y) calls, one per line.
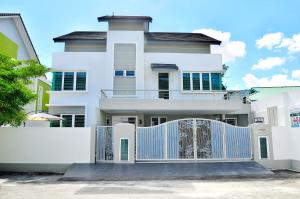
point(193, 139)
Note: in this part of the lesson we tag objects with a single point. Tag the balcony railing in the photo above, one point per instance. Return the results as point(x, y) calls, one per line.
point(173, 95)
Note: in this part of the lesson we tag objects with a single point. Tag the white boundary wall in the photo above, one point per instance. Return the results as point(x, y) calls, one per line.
point(286, 143)
point(42, 145)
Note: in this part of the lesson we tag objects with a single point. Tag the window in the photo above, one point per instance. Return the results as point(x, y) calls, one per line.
point(201, 81)
point(263, 148)
point(216, 83)
point(65, 81)
point(70, 120)
point(80, 81)
point(124, 149)
point(186, 84)
point(124, 73)
point(232, 121)
point(57, 81)
point(55, 123)
point(79, 121)
point(158, 120)
point(196, 81)
point(67, 121)
point(130, 73)
point(119, 73)
point(205, 81)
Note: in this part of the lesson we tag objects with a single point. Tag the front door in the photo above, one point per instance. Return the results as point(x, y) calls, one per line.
point(163, 85)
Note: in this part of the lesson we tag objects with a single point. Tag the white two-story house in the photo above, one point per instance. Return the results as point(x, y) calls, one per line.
point(129, 74)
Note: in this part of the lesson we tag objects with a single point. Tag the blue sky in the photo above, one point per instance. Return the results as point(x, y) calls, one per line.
point(261, 39)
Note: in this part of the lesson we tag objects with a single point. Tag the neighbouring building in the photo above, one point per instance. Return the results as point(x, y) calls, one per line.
point(130, 74)
point(277, 106)
point(15, 42)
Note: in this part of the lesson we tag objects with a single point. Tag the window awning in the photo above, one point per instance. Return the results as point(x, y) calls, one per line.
point(164, 67)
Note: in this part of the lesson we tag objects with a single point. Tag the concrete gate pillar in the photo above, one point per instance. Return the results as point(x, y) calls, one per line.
point(124, 143)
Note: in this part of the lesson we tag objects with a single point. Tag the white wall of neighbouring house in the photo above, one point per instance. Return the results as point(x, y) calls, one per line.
point(9, 29)
point(42, 145)
point(284, 102)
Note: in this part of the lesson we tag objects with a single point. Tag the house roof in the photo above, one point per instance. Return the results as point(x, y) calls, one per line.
point(23, 27)
point(174, 36)
point(81, 35)
point(119, 17)
point(152, 36)
point(259, 93)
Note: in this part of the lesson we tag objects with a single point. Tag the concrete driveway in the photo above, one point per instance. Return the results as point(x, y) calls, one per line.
point(48, 186)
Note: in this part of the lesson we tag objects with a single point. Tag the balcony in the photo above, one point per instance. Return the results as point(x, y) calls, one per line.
point(208, 102)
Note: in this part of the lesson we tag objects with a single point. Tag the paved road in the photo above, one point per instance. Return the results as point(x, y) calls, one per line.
point(37, 186)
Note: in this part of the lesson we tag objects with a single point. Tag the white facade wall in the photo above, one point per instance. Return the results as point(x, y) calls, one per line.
point(186, 62)
point(285, 102)
point(130, 37)
point(94, 64)
point(42, 145)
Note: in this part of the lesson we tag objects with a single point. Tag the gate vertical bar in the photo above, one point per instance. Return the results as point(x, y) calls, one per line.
point(195, 138)
point(165, 141)
point(224, 141)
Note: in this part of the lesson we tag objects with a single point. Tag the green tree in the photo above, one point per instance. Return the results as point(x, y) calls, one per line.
point(15, 76)
point(225, 68)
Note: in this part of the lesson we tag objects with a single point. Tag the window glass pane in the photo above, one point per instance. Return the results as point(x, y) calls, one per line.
point(186, 81)
point(205, 81)
point(263, 148)
point(130, 73)
point(163, 120)
point(80, 81)
point(196, 81)
point(154, 121)
point(57, 81)
point(55, 123)
point(67, 122)
point(119, 73)
point(68, 80)
point(216, 81)
point(79, 121)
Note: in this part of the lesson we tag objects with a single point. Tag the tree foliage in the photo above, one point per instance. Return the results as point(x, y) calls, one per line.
point(15, 76)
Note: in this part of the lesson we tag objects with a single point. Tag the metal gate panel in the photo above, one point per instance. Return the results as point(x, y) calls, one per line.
point(104, 145)
point(238, 142)
point(192, 139)
point(150, 143)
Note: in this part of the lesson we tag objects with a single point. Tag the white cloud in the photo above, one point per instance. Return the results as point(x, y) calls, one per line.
point(269, 40)
point(251, 80)
point(296, 74)
point(269, 63)
point(228, 48)
point(292, 44)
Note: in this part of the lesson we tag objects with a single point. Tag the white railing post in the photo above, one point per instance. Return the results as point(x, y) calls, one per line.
point(195, 138)
point(224, 142)
point(166, 141)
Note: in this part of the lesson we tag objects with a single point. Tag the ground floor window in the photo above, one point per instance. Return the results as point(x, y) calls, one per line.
point(158, 120)
point(70, 120)
point(232, 121)
point(263, 148)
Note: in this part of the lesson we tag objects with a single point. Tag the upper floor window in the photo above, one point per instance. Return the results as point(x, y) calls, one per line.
point(124, 73)
point(69, 81)
point(201, 81)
